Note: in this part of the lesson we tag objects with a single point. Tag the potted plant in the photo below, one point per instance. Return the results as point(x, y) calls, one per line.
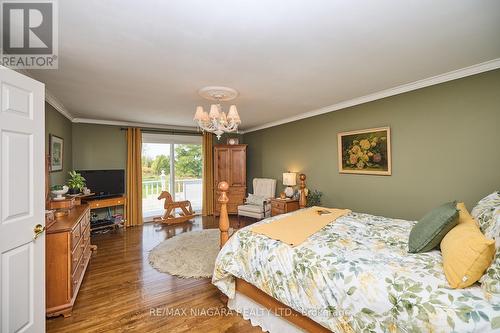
point(314, 198)
point(75, 182)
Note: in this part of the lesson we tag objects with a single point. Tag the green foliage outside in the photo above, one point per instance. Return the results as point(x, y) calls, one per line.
point(188, 163)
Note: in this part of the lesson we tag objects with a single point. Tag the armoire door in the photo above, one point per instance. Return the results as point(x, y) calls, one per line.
point(222, 166)
point(238, 174)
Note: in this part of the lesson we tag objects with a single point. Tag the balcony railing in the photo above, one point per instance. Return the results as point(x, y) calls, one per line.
point(185, 189)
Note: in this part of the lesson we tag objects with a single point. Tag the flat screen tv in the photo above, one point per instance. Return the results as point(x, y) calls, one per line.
point(105, 183)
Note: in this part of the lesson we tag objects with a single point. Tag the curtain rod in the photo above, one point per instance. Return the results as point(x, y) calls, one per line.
point(166, 131)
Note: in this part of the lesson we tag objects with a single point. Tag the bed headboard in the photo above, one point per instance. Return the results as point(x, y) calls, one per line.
point(223, 200)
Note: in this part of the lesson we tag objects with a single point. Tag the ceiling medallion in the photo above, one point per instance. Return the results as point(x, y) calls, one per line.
point(217, 121)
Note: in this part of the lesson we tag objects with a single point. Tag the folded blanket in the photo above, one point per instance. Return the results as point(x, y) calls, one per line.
point(297, 227)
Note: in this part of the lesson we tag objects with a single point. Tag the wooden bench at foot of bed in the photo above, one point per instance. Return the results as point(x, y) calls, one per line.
point(255, 293)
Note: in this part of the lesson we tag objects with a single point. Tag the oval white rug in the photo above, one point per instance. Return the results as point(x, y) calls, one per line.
point(188, 255)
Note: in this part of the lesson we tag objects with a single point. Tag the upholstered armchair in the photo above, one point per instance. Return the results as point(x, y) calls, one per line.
point(257, 204)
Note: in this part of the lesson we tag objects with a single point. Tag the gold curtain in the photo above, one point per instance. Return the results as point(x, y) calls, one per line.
point(208, 174)
point(134, 178)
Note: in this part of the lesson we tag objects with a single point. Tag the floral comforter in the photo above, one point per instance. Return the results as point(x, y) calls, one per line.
point(355, 274)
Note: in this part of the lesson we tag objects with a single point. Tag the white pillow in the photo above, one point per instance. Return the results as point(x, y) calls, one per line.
point(487, 213)
point(255, 199)
point(484, 211)
point(490, 281)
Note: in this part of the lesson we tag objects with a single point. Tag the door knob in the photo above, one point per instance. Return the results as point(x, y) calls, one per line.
point(38, 230)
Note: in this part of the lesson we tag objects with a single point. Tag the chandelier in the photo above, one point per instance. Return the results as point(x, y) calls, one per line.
point(217, 121)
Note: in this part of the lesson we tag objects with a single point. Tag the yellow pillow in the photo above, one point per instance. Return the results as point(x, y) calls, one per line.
point(467, 253)
point(464, 215)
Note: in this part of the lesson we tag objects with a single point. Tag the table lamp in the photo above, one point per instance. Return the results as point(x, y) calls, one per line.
point(289, 180)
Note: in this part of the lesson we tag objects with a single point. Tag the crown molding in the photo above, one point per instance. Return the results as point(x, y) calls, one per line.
point(52, 100)
point(49, 97)
point(131, 124)
point(441, 78)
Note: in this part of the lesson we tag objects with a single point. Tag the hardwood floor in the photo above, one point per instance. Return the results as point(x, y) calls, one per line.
point(121, 292)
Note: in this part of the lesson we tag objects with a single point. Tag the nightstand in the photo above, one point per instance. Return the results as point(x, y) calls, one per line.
point(280, 206)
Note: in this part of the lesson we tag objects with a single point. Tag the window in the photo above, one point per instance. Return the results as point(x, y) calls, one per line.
point(170, 163)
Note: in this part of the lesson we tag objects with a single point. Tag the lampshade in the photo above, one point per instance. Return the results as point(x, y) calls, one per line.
point(289, 178)
point(199, 113)
point(233, 113)
point(214, 111)
point(223, 116)
point(205, 116)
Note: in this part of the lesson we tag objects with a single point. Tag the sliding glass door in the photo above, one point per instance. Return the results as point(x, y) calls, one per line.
point(170, 163)
point(188, 166)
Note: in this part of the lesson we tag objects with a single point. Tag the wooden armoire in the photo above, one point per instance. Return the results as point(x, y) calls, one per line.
point(230, 165)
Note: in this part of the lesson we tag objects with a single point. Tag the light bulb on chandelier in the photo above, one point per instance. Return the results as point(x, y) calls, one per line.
point(217, 121)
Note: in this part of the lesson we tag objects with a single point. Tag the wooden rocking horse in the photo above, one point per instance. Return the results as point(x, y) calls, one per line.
point(170, 216)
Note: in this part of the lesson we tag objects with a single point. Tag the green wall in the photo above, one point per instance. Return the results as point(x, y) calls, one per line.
point(445, 146)
point(99, 147)
point(57, 124)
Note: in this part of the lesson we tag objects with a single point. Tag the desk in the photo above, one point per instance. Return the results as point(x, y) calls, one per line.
point(107, 202)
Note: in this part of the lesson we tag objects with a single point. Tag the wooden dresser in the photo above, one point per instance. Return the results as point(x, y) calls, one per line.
point(230, 165)
point(67, 257)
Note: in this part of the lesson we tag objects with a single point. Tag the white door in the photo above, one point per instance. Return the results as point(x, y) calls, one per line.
point(22, 201)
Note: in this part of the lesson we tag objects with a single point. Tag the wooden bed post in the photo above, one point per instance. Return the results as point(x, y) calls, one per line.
point(303, 196)
point(223, 218)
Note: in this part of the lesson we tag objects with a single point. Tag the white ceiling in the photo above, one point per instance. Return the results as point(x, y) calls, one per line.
point(143, 61)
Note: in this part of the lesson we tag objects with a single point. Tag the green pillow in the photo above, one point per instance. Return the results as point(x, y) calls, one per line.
point(431, 229)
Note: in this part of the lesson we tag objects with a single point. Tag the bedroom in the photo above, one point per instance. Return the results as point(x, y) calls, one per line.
point(389, 110)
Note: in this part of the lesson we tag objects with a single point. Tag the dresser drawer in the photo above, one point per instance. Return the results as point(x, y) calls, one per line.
point(233, 196)
point(87, 252)
point(278, 205)
point(86, 233)
point(75, 278)
point(77, 275)
point(275, 211)
point(241, 190)
point(75, 235)
point(76, 255)
point(103, 203)
point(283, 206)
point(232, 208)
point(85, 221)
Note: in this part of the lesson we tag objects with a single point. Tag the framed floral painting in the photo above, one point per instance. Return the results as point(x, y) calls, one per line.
point(365, 151)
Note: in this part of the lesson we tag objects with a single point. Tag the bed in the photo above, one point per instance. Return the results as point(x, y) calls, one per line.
point(355, 274)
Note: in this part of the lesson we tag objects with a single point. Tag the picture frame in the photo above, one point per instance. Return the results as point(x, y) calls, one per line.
point(56, 153)
point(366, 151)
